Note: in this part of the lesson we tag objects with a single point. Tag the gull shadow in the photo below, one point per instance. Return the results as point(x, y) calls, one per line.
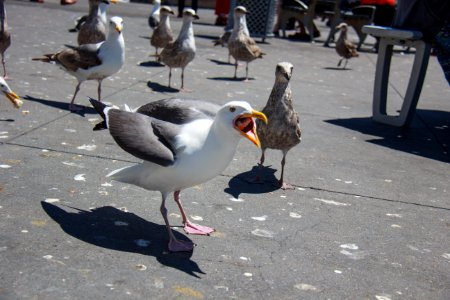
point(7, 120)
point(259, 180)
point(337, 69)
point(150, 63)
point(221, 62)
point(154, 86)
point(231, 78)
point(62, 105)
point(428, 135)
point(99, 227)
point(145, 37)
point(207, 36)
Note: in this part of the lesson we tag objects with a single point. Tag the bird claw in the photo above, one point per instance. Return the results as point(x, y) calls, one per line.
point(192, 228)
point(285, 186)
point(181, 246)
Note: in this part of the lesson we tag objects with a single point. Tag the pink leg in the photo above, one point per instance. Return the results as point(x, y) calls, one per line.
point(189, 227)
point(175, 245)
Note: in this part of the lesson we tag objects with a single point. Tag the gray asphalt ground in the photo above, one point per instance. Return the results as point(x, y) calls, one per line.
point(369, 217)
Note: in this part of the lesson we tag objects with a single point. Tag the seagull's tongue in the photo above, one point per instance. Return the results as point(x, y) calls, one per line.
point(242, 123)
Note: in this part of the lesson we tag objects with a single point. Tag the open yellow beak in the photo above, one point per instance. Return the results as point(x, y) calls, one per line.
point(14, 98)
point(247, 126)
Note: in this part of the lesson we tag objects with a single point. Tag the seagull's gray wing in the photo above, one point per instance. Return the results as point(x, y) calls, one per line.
point(145, 137)
point(179, 111)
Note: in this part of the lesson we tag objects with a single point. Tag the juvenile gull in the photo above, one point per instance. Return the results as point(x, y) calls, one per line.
point(344, 47)
point(241, 46)
point(283, 130)
point(93, 30)
point(6, 90)
point(154, 18)
point(183, 144)
point(92, 61)
point(5, 36)
point(162, 35)
point(180, 53)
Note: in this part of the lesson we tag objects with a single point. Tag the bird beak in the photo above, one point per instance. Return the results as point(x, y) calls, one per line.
point(14, 98)
point(246, 126)
point(114, 1)
point(196, 17)
point(119, 28)
point(171, 12)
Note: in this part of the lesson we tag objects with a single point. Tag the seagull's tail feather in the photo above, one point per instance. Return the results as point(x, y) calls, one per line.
point(132, 174)
point(218, 42)
point(48, 58)
point(100, 109)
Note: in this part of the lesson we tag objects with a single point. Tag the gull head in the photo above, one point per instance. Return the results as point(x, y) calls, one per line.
point(166, 10)
point(240, 10)
point(13, 97)
point(343, 27)
point(238, 116)
point(283, 71)
point(190, 14)
point(116, 23)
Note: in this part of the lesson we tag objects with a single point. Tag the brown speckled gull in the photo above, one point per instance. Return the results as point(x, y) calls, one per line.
point(162, 35)
point(180, 53)
point(93, 30)
point(283, 130)
point(241, 46)
point(344, 47)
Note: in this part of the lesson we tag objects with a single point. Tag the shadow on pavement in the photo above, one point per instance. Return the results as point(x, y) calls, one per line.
point(230, 78)
point(62, 105)
point(154, 86)
point(151, 63)
point(431, 140)
point(111, 228)
point(259, 180)
point(221, 62)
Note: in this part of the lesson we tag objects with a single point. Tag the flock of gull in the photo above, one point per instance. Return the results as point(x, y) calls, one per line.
point(182, 143)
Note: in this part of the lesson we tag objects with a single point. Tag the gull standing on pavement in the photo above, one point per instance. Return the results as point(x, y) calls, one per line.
point(282, 131)
point(181, 52)
point(344, 47)
point(183, 143)
point(92, 61)
point(162, 35)
point(241, 46)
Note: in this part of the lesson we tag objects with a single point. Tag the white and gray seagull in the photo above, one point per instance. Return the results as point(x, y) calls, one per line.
point(153, 19)
point(92, 61)
point(183, 143)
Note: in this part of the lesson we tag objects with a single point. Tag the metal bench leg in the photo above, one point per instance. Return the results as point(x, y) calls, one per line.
point(414, 88)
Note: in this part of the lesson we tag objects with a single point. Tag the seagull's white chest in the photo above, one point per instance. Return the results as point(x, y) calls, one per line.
point(112, 56)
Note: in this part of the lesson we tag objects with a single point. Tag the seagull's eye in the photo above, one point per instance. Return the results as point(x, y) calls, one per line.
point(232, 108)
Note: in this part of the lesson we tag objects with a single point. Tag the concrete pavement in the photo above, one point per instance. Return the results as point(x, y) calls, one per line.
point(369, 218)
